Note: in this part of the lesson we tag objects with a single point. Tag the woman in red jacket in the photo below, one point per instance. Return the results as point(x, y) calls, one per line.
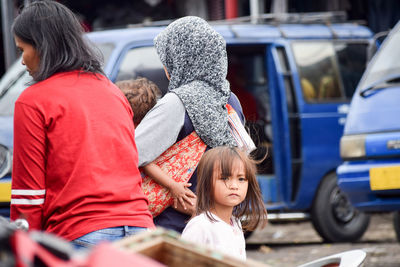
point(75, 166)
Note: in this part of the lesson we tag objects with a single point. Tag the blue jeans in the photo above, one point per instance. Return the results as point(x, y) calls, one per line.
point(107, 234)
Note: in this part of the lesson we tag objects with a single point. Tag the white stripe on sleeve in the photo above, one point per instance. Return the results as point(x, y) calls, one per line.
point(26, 192)
point(20, 201)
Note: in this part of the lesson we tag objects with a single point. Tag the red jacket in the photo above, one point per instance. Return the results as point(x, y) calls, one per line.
point(75, 166)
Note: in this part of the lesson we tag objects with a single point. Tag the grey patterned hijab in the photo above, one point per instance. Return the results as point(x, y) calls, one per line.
point(195, 57)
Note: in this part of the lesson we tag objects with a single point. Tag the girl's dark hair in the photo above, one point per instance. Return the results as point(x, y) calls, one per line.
point(251, 211)
point(57, 35)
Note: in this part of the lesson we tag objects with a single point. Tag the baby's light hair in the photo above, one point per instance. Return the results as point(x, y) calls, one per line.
point(222, 158)
point(142, 95)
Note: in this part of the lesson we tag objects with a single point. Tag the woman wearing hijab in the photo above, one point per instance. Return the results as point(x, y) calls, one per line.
point(195, 61)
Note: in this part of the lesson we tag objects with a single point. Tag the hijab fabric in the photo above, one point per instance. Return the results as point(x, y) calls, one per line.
point(194, 55)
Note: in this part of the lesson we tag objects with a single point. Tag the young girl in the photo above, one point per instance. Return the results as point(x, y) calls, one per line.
point(227, 191)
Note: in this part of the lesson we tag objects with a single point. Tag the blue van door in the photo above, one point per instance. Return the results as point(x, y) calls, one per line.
point(281, 101)
point(323, 108)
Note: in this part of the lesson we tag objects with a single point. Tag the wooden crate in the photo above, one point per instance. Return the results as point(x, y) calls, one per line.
point(166, 247)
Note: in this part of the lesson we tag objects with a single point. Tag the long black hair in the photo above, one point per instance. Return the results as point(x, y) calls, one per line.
point(57, 35)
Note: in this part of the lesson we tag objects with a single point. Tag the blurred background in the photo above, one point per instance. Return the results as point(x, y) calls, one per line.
point(378, 15)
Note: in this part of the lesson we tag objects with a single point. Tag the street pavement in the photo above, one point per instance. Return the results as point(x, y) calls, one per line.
point(293, 244)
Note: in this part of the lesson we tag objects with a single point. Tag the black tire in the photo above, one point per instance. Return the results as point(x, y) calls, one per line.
point(396, 224)
point(332, 215)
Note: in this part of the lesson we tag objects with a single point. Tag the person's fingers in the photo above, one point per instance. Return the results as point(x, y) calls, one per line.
point(188, 189)
point(190, 194)
point(175, 203)
point(182, 202)
point(187, 185)
point(188, 200)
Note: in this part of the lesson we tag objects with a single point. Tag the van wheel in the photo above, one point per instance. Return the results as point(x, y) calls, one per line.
point(333, 216)
point(396, 224)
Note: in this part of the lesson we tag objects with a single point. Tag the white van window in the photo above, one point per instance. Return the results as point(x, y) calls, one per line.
point(143, 62)
point(106, 49)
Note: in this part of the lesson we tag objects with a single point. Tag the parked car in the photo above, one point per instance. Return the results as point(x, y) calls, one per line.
point(294, 81)
point(370, 146)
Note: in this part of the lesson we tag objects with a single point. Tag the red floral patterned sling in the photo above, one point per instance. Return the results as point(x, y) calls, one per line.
point(181, 160)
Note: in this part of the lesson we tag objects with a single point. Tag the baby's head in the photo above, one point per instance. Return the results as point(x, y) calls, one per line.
point(142, 95)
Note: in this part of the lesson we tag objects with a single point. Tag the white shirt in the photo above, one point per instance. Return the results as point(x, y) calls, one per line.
point(218, 235)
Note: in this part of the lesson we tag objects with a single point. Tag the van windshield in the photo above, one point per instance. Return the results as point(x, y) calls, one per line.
point(386, 63)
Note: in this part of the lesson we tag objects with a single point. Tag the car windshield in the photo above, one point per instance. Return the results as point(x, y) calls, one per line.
point(386, 63)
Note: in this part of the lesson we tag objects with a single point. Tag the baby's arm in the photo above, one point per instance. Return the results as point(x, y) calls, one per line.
point(179, 191)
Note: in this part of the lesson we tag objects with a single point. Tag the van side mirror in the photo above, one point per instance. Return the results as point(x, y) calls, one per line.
point(375, 44)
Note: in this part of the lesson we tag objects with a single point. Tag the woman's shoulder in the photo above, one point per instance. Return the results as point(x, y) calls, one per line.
point(169, 106)
point(55, 86)
point(170, 99)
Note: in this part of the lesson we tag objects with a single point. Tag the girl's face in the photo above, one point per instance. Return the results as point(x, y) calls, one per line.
point(30, 57)
point(230, 191)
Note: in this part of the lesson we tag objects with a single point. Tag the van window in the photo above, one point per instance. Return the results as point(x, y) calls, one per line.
point(352, 60)
point(386, 64)
point(318, 71)
point(143, 62)
point(106, 49)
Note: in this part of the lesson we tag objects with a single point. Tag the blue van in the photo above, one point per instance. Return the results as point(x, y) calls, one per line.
point(294, 81)
point(370, 146)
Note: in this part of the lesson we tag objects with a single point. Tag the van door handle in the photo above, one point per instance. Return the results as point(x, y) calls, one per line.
point(343, 109)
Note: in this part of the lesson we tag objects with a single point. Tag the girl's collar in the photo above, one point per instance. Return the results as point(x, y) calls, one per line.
point(231, 219)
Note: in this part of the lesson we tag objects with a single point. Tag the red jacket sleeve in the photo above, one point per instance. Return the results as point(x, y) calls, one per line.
point(28, 174)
